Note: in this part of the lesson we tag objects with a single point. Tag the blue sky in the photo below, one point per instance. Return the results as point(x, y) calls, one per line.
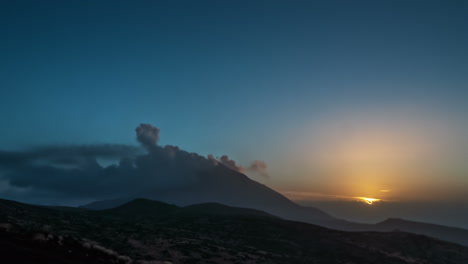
point(252, 79)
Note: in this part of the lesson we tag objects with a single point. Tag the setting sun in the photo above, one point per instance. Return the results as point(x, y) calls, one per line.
point(368, 200)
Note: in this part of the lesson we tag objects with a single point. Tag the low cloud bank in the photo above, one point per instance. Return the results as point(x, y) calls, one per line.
point(74, 173)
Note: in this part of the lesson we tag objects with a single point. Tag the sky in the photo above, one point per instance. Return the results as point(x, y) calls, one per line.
point(340, 99)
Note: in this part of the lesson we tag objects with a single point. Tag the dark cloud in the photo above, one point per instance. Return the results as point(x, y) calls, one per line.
point(65, 155)
point(147, 135)
point(74, 172)
point(103, 150)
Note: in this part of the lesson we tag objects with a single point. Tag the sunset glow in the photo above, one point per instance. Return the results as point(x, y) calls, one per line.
point(234, 131)
point(368, 200)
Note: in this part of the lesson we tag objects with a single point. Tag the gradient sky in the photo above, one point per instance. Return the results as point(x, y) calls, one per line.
point(339, 98)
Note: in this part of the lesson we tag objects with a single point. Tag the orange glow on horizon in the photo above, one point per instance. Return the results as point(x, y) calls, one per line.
point(369, 200)
point(397, 154)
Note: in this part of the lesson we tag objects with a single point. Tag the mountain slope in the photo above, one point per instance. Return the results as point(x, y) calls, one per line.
point(225, 186)
point(142, 208)
point(457, 235)
point(185, 235)
point(220, 209)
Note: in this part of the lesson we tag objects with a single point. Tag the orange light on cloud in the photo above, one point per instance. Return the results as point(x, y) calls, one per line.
point(368, 200)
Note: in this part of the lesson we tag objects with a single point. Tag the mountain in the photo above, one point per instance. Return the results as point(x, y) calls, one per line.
point(220, 209)
point(105, 204)
point(142, 208)
point(225, 186)
point(143, 231)
point(453, 234)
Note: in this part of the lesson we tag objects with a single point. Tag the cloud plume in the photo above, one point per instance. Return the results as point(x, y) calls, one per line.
point(147, 135)
point(77, 172)
point(226, 161)
point(257, 166)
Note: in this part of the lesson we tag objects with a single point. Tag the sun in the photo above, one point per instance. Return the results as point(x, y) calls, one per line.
point(368, 200)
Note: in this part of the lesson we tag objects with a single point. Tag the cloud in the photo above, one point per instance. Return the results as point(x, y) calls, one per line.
point(64, 155)
point(74, 172)
point(226, 161)
point(259, 167)
point(147, 135)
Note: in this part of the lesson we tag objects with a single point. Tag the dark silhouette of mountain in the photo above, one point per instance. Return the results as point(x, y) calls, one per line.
point(453, 234)
point(220, 209)
point(153, 232)
point(143, 208)
point(105, 204)
point(225, 186)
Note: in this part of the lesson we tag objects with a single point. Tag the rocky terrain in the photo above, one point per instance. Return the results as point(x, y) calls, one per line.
point(144, 231)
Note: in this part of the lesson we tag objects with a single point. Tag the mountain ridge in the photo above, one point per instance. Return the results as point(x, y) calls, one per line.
point(232, 188)
point(187, 236)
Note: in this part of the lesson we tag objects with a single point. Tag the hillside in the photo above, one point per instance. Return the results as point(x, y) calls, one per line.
point(153, 231)
point(453, 234)
point(221, 185)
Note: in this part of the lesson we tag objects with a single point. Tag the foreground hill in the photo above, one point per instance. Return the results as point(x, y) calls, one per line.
point(143, 231)
point(20, 246)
